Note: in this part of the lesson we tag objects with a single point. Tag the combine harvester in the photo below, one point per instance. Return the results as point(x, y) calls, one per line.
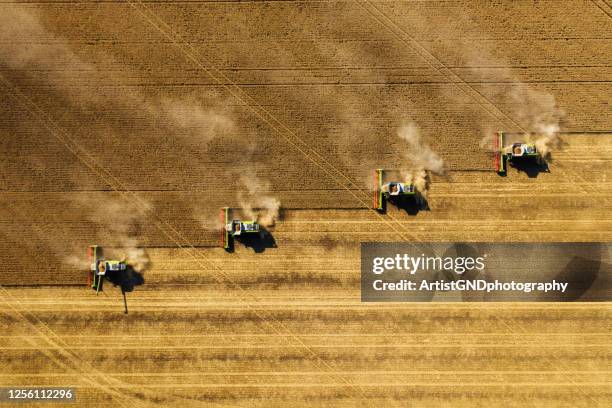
point(514, 154)
point(388, 191)
point(100, 266)
point(235, 228)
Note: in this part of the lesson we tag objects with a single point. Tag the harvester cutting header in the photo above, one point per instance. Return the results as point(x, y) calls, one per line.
point(513, 153)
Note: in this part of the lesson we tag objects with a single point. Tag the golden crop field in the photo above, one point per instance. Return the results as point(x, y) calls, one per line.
point(132, 123)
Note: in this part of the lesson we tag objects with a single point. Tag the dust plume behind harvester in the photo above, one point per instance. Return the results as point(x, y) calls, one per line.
point(235, 228)
point(515, 154)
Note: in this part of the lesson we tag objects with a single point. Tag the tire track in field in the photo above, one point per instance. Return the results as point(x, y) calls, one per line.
point(489, 107)
point(178, 239)
point(280, 128)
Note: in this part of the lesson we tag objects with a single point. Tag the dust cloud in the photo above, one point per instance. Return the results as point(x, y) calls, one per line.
point(201, 124)
point(540, 116)
point(191, 123)
point(532, 112)
point(122, 222)
point(257, 202)
point(421, 160)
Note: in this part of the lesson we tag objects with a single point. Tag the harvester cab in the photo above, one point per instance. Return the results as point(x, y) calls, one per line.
point(385, 191)
point(522, 149)
point(512, 153)
point(395, 189)
point(235, 228)
point(99, 267)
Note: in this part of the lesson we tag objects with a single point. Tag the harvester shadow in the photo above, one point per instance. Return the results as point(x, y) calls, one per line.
point(411, 204)
point(231, 246)
point(531, 168)
point(258, 242)
point(127, 279)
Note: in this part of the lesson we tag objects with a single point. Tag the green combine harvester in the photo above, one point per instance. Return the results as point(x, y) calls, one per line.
point(235, 228)
point(100, 266)
point(386, 191)
point(513, 153)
